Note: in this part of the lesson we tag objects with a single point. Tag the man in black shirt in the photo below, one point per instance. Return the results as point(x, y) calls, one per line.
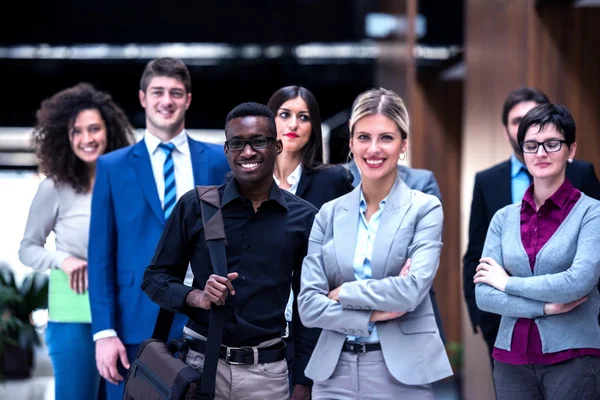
point(267, 237)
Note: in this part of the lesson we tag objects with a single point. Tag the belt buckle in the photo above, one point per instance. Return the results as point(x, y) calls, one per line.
point(228, 357)
point(360, 348)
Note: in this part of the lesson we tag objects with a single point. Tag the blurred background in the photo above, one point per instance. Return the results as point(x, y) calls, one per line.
point(454, 61)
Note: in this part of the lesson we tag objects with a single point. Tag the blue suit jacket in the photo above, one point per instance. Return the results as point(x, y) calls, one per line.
point(126, 224)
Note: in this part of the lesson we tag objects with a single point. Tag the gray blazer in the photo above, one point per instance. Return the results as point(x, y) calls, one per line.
point(411, 226)
point(566, 269)
point(424, 181)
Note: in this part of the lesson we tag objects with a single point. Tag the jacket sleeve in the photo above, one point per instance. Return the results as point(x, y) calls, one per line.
point(431, 186)
point(102, 252)
point(477, 232)
point(404, 293)
point(591, 185)
point(495, 301)
point(43, 214)
point(305, 338)
point(316, 309)
point(578, 280)
point(163, 278)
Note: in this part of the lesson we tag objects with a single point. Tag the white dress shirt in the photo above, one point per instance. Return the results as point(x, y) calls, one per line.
point(292, 180)
point(184, 182)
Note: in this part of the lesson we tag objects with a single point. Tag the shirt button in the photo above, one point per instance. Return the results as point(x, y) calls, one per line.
point(244, 277)
point(537, 321)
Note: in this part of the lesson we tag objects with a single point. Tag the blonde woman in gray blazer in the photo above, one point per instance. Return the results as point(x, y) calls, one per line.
point(379, 338)
point(540, 271)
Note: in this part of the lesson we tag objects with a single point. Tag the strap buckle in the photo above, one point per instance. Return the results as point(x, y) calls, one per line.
point(360, 348)
point(236, 356)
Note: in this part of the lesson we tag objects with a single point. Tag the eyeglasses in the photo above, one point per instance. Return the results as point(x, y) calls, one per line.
point(257, 143)
point(550, 146)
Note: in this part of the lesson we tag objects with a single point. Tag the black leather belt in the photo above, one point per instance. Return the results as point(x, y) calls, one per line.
point(241, 355)
point(361, 347)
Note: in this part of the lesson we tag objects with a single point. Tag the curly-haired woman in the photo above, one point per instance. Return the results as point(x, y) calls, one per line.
point(74, 127)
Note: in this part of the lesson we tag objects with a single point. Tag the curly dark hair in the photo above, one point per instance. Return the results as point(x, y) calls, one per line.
point(55, 119)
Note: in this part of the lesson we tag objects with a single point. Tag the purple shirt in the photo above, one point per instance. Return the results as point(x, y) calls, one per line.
point(536, 229)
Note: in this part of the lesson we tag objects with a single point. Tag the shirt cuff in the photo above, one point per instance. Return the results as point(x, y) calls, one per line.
point(105, 334)
point(59, 258)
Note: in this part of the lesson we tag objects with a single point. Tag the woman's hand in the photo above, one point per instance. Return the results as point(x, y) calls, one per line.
point(76, 269)
point(379, 316)
point(553, 308)
point(491, 273)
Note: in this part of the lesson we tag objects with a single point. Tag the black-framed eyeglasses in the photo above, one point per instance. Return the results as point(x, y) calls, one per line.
point(257, 143)
point(550, 146)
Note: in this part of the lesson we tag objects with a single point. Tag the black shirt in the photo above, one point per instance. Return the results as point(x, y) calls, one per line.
point(266, 248)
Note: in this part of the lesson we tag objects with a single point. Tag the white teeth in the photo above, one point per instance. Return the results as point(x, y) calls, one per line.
point(250, 166)
point(374, 162)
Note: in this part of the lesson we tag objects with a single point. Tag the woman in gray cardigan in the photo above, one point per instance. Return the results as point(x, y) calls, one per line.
point(540, 271)
point(74, 127)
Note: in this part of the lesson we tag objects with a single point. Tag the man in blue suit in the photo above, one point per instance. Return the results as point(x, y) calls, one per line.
point(135, 191)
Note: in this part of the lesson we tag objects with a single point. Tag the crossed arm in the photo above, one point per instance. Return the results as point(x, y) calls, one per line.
point(530, 297)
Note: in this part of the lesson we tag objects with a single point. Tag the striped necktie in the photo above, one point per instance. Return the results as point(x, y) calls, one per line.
point(169, 175)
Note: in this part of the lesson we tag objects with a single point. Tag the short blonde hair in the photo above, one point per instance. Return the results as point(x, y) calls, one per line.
point(381, 101)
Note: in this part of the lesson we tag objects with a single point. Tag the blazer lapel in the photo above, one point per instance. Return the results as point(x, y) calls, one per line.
point(305, 180)
point(396, 207)
point(143, 170)
point(505, 185)
point(345, 228)
point(199, 164)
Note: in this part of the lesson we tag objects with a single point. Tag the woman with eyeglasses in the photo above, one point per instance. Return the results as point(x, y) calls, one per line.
point(74, 127)
point(540, 271)
point(299, 169)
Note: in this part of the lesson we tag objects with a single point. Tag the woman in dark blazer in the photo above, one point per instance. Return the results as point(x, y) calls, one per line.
point(300, 170)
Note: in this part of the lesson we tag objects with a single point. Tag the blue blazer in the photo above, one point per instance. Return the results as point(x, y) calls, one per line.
point(126, 224)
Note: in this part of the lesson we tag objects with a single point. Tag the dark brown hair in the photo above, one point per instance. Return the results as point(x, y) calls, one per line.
point(51, 134)
point(169, 67)
point(313, 150)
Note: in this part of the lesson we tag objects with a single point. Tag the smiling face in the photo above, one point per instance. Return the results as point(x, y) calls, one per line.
point(376, 144)
point(544, 165)
point(250, 166)
point(88, 136)
point(293, 124)
point(166, 102)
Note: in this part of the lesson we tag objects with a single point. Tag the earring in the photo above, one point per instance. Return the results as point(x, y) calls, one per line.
point(570, 160)
point(402, 156)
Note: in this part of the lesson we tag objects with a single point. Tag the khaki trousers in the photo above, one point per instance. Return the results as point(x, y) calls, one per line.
point(245, 382)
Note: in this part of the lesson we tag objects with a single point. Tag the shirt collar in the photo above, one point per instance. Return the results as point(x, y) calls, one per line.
point(558, 198)
point(232, 192)
point(293, 178)
point(515, 166)
point(180, 142)
point(363, 202)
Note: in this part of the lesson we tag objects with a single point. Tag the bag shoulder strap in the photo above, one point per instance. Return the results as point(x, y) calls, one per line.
point(214, 234)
